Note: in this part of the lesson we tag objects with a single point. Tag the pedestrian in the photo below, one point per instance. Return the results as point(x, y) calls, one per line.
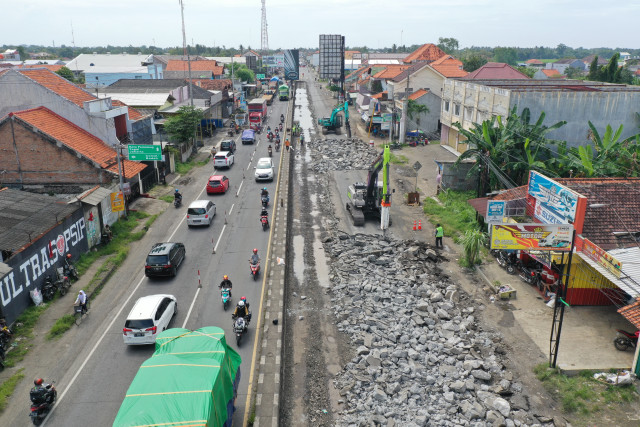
point(438, 181)
point(439, 236)
point(287, 143)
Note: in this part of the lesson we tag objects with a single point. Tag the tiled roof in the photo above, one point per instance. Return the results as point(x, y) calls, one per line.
point(620, 198)
point(480, 204)
point(448, 66)
point(204, 65)
point(134, 115)
point(77, 139)
point(565, 61)
point(412, 69)
point(534, 62)
point(356, 72)
point(553, 73)
point(632, 313)
point(589, 59)
point(217, 84)
point(390, 71)
point(53, 68)
point(58, 84)
point(381, 95)
point(426, 52)
point(418, 94)
point(497, 71)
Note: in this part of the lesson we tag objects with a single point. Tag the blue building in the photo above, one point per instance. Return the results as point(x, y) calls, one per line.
point(97, 77)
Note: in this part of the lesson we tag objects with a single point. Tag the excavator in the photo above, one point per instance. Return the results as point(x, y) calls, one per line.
point(372, 199)
point(333, 123)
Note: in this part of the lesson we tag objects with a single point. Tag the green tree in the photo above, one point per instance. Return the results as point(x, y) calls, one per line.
point(508, 55)
point(594, 71)
point(561, 50)
point(182, 126)
point(23, 53)
point(528, 71)
point(414, 108)
point(66, 73)
point(448, 44)
point(574, 73)
point(472, 241)
point(376, 87)
point(473, 62)
point(394, 48)
point(244, 74)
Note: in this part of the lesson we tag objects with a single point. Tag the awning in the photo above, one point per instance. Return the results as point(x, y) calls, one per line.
point(632, 313)
point(629, 288)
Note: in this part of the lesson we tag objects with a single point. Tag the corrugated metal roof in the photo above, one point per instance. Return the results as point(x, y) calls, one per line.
point(630, 259)
point(94, 196)
point(627, 284)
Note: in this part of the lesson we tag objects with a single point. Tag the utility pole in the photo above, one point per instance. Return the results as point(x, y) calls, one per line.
point(405, 106)
point(185, 52)
point(120, 174)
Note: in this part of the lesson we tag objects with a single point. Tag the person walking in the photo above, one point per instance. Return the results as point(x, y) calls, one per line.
point(439, 236)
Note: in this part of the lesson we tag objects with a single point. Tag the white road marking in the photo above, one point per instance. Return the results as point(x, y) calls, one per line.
point(238, 192)
point(184, 325)
point(215, 248)
point(231, 210)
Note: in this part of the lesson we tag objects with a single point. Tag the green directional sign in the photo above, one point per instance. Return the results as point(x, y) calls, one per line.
point(260, 76)
point(144, 153)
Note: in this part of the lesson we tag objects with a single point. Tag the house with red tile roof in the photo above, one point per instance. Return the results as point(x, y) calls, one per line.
point(536, 63)
point(51, 151)
point(496, 71)
point(548, 74)
point(49, 67)
point(427, 121)
point(25, 88)
point(204, 69)
point(428, 52)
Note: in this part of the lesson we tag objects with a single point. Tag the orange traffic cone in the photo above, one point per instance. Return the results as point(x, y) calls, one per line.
point(420, 225)
point(414, 225)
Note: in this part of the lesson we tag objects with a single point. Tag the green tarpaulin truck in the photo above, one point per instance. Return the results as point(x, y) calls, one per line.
point(191, 379)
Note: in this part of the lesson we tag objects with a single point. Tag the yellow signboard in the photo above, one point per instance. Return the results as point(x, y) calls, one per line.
point(601, 256)
point(534, 236)
point(117, 202)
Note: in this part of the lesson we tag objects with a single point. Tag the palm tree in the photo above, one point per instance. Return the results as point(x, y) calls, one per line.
point(414, 108)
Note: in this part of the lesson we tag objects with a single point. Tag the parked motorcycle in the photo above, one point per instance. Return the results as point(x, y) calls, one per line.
point(625, 340)
point(48, 289)
point(240, 327)
point(264, 220)
point(507, 261)
point(42, 400)
point(70, 269)
point(62, 282)
point(529, 275)
point(225, 295)
point(255, 270)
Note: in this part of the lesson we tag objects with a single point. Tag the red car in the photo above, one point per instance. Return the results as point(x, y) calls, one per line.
point(217, 184)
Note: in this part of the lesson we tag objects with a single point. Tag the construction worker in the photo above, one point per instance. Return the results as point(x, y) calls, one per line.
point(439, 236)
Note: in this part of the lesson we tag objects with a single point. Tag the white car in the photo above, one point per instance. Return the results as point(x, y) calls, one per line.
point(201, 212)
point(223, 159)
point(149, 316)
point(264, 169)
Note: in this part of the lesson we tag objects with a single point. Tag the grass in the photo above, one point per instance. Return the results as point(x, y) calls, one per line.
point(582, 395)
point(167, 198)
point(398, 159)
point(23, 333)
point(184, 168)
point(61, 326)
point(455, 215)
point(7, 388)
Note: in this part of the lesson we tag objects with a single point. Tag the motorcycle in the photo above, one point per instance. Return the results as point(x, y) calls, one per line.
point(625, 340)
point(281, 119)
point(529, 275)
point(507, 261)
point(230, 132)
point(277, 144)
point(265, 201)
point(42, 400)
point(70, 269)
point(265, 222)
point(49, 289)
point(177, 202)
point(62, 282)
point(225, 295)
point(255, 270)
point(270, 151)
point(240, 326)
point(280, 127)
point(270, 136)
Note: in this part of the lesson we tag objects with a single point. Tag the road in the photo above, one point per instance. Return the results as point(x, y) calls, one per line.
point(96, 382)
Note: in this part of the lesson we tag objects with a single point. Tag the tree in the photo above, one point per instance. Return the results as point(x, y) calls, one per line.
point(472, 241)
point(414, 108)
point(376, 87)
point(182, 127)
point(394, 48)
point(574, 73)
point(65, 73)
point(473, 62)
point(594, 71)
point(561, 49)
point(527, 70)
point(23, 53)
point(244, 74)
point(448, 44)
point(507, 55)
point(241, 49)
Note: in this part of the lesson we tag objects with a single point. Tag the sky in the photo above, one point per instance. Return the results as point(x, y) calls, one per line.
point(298, 23)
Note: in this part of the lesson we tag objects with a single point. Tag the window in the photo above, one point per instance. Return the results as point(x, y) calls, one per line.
point(138, 77)
point(446, 106)
point(456, 109)
point(468, 113)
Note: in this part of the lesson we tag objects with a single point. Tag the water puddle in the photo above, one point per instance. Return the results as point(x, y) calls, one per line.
point(322, 265)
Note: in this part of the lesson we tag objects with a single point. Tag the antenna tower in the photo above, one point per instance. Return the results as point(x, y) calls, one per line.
point(264, 38)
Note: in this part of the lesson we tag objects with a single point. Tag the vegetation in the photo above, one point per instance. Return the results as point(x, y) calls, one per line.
point(61, 326)
point(529, 71)
point(448, 45)
point(182, 126)
point(472, 242)
point(398, 159)
point(453, 212)
point(23, 333)
point(583, 395)
point(415, 108)
point(7, 388)
point(472, 62)
point(184, 167)
point(66, 73)
point(610, 73)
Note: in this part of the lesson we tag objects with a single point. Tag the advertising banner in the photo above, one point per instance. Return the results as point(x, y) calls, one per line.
point(495, 210)
point(273, 61)
point(117, 202)
point(386, 121)
point(555, 203)
point(291, 64)
point(541, 237)
point(600, 256)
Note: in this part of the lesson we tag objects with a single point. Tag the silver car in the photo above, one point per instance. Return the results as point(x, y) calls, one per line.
point(264, 169)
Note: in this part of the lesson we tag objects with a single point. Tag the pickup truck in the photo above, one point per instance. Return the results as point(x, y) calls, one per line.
point(248, 136)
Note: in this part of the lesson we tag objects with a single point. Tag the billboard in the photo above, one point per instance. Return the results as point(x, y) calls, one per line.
point(533, 236)
point(555, 203)
point(273, 61)
point(291, 64)
point(331, 56)
point(495, 210)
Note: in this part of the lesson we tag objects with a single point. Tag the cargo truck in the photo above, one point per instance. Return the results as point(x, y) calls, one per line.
point(268, 95)
point(283, 93)
point(257, 112)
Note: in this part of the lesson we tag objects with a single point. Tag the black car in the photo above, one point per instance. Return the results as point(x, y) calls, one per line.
point(164, 259)
point(228, 145)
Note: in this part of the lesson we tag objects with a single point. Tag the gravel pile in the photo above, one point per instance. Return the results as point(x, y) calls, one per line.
point(420, 358)
point(341, 154)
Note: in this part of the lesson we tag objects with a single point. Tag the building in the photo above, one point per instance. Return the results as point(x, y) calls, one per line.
point(99, 77)
point(589, 59)
point(562, 64)
point(496, 71)
point(51, 67)
point(548, 74)
point(428, 52)
point(36, 232)
point(10, 55)
point(203, 69)
point(429, 121)
point(30, 62)
point(163, 60)
point(574, 101)
point(86, 61)
point(534, 63)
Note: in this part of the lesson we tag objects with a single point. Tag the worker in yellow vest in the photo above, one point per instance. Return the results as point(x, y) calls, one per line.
point(439, 236)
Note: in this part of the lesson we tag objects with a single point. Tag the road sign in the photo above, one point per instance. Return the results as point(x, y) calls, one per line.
point(260, 76)
point(417, 166)
point(144, 152)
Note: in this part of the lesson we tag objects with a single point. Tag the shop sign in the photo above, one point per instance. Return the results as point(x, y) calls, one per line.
point(541, 237)
point(495, 210)
point(386, 121)
point(601, 257)
point(555, 203)
point(117, 202)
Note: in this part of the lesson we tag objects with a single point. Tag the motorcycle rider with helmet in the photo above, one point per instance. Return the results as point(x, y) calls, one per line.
point(225, 284)
point(177, 195)
point(242, 310)
point(43, 389)
point(255, 258)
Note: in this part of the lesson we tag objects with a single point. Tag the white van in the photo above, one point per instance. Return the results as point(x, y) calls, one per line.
point(149, 316)
point(223, 159)
point(201, 212)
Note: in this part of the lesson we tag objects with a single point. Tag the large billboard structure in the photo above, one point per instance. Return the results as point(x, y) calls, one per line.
point(332, 57)
point(291, 64)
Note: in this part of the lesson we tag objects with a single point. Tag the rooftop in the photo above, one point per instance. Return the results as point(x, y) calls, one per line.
point(427, 52)
point(552, 73)
point(418, 94)
point(497, 70)
point(448, 66)
point(534, 62)
point(203, 65)
point(49, 67)
point(57, 84)
point(85, 61)
point(217, 84)
point(390, 71)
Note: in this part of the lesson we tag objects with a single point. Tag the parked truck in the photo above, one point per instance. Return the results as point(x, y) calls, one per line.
point(191, 379)
point(257, 112)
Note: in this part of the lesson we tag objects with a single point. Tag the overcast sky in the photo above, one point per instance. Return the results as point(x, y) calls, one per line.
point(297, 23)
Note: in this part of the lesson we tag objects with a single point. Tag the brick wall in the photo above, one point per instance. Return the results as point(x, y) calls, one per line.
point(41, 161)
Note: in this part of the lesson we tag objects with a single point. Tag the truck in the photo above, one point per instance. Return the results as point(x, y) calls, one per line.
point(273, 83)
point(283, 93)
point(268, 95)
point(257, 112)
point(191, 379)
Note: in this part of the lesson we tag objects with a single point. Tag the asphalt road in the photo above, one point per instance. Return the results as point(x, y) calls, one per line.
point(91, 392)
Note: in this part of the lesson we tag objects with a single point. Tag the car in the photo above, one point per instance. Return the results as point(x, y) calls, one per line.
point(223, 159)
point(264, 169)
point(228, 145)
point(164, 259)
point(201, 212)
point(149, 316)
point(217, 184)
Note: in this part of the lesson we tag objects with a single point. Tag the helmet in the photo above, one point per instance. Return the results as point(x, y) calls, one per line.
point(265, 188)
point(240, 304)
point(69, 256)
point(225, 277)
point(176, 190)
point(255, 251)
point(38, 381)
point(243, 299)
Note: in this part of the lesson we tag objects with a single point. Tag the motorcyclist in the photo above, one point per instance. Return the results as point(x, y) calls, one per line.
point(255, 258)
point(264, 192)
point(301, 138)
point(225, 284)
point(177, 195)
point(81, 300)
point(282, 117)
point(270, 150)
point(43, 389)
point(242, 310)
point(269, 129)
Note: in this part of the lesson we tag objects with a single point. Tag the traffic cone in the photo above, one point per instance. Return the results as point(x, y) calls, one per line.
point(420, 225)
point(414, 225)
